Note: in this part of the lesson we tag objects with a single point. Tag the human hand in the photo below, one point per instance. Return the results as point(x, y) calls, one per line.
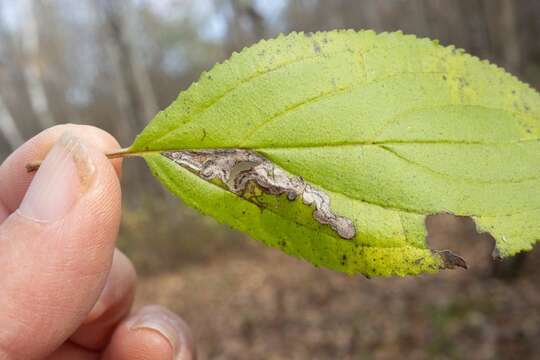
point(65, 291)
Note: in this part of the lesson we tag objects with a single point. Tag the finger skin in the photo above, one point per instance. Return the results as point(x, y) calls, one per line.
point(51, 274)
point(70, 351)
point(152, 332)
point(138, 345)
point(113, 305)
point(4, 212)
point(15, 177)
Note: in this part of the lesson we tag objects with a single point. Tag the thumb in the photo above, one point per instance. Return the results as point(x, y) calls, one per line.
point(56, 249)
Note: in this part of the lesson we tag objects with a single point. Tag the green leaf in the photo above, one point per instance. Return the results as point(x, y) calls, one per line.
point(390, 128)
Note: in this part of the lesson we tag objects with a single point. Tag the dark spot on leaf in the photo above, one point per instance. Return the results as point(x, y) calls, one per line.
point(316, 47)
point(495, 254)
point(451, 260)
point(291, 195)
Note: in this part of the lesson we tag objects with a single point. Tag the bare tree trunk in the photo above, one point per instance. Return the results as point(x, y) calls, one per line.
point(135, 95)
point(14, 89)
point(32, 68)
point(501, 19)
point(133, 28)
point(243, 13)
point(8, 128)
point(127, 115)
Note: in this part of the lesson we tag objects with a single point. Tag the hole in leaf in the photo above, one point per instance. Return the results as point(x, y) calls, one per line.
point(456, 236)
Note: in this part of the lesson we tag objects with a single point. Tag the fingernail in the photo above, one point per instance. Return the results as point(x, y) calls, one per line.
point(169, 326)
point(63, 176)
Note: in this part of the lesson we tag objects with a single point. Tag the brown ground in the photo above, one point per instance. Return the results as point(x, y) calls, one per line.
point(253, 302)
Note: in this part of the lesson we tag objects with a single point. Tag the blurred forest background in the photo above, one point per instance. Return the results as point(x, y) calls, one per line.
point(115, 63)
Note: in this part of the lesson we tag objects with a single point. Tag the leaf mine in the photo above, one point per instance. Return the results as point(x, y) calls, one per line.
point(238, 168)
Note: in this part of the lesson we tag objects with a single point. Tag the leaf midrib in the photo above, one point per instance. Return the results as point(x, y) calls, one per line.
point(338, 144)
point(370, 202)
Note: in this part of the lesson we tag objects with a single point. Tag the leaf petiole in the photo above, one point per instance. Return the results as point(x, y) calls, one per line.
point(34, 165)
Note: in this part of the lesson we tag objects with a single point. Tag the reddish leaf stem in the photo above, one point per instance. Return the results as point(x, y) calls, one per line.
point(34, 166)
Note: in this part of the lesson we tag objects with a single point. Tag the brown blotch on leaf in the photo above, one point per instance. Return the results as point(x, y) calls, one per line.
point(239, 170)
point(451, 260)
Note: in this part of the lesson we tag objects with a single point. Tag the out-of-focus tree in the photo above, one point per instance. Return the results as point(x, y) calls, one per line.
point(13, 88)
point(33, 65)
point(134, 93)
point(244, 23)
point(8, 130)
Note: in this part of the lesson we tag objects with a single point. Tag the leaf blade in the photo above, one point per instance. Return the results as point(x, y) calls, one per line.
point(391, 127)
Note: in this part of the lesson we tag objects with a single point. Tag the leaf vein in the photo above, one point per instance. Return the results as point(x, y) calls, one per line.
point(466, 179)
point(207, 105)
point(348, 89)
